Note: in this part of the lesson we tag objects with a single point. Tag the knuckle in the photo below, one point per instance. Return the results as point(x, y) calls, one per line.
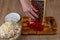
point(29, 9)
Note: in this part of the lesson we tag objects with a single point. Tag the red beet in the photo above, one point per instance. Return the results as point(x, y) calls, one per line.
point(37, 25)
point(37, 6)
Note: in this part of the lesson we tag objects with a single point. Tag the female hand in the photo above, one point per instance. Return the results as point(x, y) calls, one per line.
point(29, 9)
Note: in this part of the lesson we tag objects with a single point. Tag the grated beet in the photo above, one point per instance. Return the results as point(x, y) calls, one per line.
point(37, 26)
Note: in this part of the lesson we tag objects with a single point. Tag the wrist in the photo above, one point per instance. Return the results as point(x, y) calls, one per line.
point(22, 1)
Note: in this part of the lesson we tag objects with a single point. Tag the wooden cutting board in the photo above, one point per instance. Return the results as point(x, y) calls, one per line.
point(49, 27)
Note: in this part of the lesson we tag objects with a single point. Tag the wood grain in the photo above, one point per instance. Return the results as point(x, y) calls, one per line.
point(7, 6)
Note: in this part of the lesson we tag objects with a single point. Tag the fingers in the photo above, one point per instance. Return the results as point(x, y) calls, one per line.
point(34, 9)
point(33, 13)
point(29, 15)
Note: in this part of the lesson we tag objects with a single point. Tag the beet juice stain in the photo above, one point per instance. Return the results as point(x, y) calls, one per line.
point(37, 25)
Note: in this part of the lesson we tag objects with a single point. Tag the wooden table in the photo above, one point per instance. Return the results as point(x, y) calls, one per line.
point(7, 6)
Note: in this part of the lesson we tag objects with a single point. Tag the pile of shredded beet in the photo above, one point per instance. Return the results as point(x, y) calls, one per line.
point(37, 26)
